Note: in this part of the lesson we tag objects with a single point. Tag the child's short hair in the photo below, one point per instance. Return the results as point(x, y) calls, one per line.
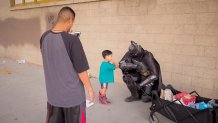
point(106, 53)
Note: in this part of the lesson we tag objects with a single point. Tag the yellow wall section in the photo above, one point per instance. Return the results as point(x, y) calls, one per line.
point(33, 3)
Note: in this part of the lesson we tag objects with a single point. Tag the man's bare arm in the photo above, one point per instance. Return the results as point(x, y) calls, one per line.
point(85, 80)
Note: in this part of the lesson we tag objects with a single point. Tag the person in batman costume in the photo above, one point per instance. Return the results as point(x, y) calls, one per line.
point(141, 73)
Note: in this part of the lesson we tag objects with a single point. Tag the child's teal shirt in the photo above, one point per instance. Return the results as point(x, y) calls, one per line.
point(106, 74)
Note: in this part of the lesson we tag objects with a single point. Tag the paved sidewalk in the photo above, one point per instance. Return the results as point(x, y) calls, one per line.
point(23, 99)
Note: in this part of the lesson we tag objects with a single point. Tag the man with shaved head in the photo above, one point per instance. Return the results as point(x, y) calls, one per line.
point(65, 69)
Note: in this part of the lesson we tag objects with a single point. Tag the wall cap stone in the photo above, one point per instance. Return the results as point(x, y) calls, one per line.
point(55, 3)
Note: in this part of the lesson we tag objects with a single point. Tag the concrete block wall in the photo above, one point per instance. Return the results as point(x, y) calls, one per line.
point(182, 35)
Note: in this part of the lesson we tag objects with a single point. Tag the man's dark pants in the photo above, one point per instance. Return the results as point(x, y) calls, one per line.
point(76, 114)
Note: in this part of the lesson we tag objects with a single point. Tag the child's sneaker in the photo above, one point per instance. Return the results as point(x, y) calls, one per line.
point(102, 99)
point(108, 101)
point(99, 96)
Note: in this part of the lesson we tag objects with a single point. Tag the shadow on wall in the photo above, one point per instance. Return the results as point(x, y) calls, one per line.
point(50, 20)
point(20, 32)
point(23, 31)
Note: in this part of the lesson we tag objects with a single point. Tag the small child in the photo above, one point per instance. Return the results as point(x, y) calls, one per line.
point(106, 75)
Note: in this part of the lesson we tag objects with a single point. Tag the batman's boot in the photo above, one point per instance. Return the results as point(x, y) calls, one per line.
point(146, 98)
point(134, 94)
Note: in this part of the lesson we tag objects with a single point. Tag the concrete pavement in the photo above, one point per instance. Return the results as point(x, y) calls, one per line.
point(23, 99)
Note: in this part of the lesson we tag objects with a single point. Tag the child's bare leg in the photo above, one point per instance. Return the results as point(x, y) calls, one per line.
point(103, 91)
point(106, 97)
point(102, 96)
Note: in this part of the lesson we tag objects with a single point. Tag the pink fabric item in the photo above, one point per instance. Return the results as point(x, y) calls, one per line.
point(186, 98)
point(83, 117)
